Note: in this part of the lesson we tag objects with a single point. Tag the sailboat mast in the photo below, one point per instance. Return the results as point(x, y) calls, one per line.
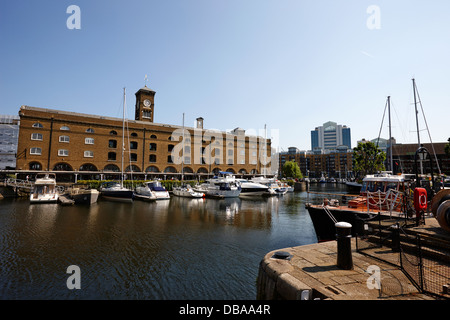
point(391, 163)
point(123, 135)
point(417, 122)
point(182, 160)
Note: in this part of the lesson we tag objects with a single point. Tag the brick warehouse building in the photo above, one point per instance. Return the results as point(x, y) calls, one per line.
point(90, 146)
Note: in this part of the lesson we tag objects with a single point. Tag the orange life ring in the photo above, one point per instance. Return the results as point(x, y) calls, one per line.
point(420, 199)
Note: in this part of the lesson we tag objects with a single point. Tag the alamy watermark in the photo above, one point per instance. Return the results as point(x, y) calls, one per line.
point(228, 148)
point(373, 22)
point(74, 20)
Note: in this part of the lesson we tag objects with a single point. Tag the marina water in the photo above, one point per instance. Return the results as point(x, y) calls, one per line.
point(169, 249)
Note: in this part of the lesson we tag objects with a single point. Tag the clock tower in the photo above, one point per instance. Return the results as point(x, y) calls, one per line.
point(145, 98)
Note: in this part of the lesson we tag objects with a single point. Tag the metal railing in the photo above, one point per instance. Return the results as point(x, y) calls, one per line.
point(424, 260)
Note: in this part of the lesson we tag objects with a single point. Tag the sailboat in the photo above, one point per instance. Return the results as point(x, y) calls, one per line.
point(112, 190)
point(186, 190)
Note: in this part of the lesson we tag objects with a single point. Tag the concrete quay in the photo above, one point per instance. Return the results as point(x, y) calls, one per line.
point(311, 272)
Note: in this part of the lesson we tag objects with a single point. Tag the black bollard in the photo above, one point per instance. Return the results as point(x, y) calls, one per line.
point(395, 229)
point(344, 247)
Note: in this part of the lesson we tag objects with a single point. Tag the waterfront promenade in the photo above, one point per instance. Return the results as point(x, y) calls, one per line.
point(311, 272)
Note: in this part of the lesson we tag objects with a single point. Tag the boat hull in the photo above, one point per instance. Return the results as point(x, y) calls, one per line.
point(86, 197)
point(118, 195)
point(325, 227)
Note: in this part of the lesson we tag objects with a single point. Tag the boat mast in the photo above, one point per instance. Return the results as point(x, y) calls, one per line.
point(417, 122)
point(123, 136)
point(391, 163)
point(182, 160)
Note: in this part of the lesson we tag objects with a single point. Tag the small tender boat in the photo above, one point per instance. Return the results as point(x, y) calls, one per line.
point(83, 195)
point(44, 189)
point(187, 191)
point(273, 184)
point(153, 190)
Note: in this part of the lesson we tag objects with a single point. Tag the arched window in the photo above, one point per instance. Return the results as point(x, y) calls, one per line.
point(153, 137)
point(64, 128)
point(35, 166)
point(152, 169)
point(133, 168)
point(90, 130)
point(202, 170)
point(88, 167)
point(111, 168)
point(133, 134)
point(37, 125)
point(170, 170)
point(62, 166)
point(113, 133)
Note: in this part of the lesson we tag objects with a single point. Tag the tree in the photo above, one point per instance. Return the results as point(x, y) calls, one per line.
point(291, 170)
point(368, 158)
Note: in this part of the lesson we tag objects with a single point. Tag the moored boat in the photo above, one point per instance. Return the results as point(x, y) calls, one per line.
point(254, 189)
point(187, 191)
point(153, 190)
point(223, 185)
point(115, 191)
point(44, 189)
point(83, 195)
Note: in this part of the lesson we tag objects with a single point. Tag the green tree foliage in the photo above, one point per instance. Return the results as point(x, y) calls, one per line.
point(368, 159)
point(291, 170)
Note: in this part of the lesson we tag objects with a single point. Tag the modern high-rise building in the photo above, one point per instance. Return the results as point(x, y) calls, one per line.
point(330, 136)
point(9, 134)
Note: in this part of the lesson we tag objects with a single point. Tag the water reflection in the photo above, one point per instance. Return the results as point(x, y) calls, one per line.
point(174, 249)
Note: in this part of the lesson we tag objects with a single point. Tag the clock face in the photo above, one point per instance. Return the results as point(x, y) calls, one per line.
point(147, 103)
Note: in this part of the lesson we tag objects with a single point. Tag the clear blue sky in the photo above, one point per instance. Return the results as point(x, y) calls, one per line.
point(291, 65)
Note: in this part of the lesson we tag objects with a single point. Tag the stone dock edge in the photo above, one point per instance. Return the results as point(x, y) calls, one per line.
point(310, 272)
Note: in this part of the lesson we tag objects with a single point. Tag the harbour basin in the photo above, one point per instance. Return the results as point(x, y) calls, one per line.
point(181, 248)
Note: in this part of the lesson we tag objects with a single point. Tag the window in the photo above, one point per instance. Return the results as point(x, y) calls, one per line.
point(111, 156)
point(169, 159)
point(146, 114)
point(153, 136)
point(170, 147)
point(133, 134)
point(36, 136)
point(133, 157)
point(64, 139)
point(113, 133)
point(35, 166)
point(112, 143)
point(36, 151)
point(152, 146)
point(133, 145)
point(152, 158)
point(65, 128)
point(89, 141)
point(90, 130)
point(37, 125)
point(88, 154)
point(63, 152)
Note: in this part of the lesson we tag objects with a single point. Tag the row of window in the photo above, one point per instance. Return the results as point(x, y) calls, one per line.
point(61, 152)
point(112, 156)
point(89, 130)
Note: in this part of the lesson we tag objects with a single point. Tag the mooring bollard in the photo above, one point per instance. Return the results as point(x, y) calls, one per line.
point(395, 229)
point(344, 246)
